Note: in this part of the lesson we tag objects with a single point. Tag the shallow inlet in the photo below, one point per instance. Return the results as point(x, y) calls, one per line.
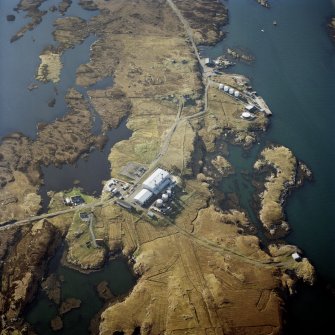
point(83, 287)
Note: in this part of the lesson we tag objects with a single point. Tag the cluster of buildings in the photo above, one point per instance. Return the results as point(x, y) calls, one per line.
point(248, 113)
point(153, 186)
point(249, 109)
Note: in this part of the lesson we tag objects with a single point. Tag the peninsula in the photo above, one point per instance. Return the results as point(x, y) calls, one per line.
point(199, 268)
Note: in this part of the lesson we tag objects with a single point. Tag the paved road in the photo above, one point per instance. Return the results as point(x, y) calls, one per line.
point(187, 28)
point(53, 214)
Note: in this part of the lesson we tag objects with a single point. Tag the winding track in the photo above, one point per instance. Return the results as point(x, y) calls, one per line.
point(26, 221)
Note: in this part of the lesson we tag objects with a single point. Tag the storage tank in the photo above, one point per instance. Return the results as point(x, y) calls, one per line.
point(237, 94)
point(159, 203)
point(221, 86)
point(231, 91)
point(169, 193)
point(226, 88)
point(165, 197)
point(246, 115)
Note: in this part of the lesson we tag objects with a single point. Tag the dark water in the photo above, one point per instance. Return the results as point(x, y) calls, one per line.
point(240, 181)
point(294, 72)
point(21, 109)
point(83, 287)
point(90, 171)
point(102, 84)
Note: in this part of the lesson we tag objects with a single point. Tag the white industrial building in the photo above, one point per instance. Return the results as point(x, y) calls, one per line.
point(249, 108)
point(296, 257)
point(158, 181)
point(143, 197)
point(208, 61)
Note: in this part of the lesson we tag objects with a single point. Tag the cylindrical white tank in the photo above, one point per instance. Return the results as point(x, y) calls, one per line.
point(165, 197)
point(159, 203)
point(231, 91)
point(237, 94)
point(221, 86)
point(169, 193)
point(226, 88)
point(246, 115)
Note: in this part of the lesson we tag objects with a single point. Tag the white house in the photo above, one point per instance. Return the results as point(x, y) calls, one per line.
point(296, 256)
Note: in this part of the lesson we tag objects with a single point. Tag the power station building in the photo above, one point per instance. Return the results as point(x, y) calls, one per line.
point(153, 185)
point(158, 181)
point(143, 196)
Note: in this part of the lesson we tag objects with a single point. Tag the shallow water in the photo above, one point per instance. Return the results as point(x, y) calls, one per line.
point(83, 287)
point(90, 171)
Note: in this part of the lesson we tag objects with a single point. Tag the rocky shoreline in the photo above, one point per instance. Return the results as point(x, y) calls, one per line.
point(283, 173)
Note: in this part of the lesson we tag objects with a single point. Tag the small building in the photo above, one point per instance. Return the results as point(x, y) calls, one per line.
point(151, 215)
point(143, 196)
point(208, 61)
point(296, 257)
point(77, 200)
point(250, 108)
point(84, 217)
point(115, 191)
point(67, 201)
point(158, 181)
point(124, 204)
point(100, 241)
